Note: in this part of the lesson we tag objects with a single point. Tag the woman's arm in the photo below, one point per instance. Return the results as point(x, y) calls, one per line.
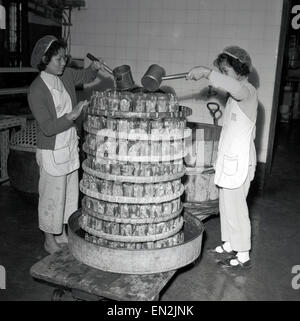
point(39, 103)
point(236, 88)
point(83, 76)
point(233, 86)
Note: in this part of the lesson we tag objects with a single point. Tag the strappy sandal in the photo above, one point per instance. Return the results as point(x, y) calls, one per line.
point(240, 266)
point(214, 252)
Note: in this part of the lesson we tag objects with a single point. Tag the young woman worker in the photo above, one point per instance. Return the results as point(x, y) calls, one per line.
point(52, 100)
point(236, 159)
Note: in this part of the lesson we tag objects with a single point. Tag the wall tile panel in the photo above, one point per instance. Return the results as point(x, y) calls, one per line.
point(179, 34)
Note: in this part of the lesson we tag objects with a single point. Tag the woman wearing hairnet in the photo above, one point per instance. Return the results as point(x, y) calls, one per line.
point(52, 100)
point(236, 159)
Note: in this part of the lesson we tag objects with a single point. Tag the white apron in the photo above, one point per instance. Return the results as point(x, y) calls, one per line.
point(236, 138)
point(64, 159)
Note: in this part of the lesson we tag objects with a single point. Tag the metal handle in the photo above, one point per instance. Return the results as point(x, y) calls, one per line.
point(176, 76)
point(214, 111)
point(93, 58)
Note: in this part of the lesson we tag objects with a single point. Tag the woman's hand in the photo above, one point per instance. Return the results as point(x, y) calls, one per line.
point(75, 113)
point(198, 72)
point(97, 65)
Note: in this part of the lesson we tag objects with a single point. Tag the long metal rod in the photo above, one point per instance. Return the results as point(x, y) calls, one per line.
point(93, 58)
point(176, 76)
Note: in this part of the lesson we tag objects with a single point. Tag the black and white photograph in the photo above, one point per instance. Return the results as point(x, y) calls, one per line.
point(150, 153)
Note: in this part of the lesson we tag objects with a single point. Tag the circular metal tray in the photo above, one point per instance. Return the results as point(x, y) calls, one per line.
point(130, 200)
point(136, 136)
point(182, 112)
point(146, 220)
point(131, 179)
point(131, 238)
point(135, 159)
point(129, 261)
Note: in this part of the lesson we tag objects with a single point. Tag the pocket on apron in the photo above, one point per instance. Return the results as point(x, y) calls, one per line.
point(62, 155)
point(230, 165)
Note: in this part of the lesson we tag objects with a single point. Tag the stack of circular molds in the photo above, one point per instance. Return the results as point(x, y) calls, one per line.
point(135, 144)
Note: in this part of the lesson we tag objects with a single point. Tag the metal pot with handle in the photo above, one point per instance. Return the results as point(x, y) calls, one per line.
point(155, 75)
point(121, 74)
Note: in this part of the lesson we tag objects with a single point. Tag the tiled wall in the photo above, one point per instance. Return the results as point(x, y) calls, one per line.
point(179, 34)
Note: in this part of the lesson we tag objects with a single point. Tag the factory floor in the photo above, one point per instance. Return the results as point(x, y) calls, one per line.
point(275, 217)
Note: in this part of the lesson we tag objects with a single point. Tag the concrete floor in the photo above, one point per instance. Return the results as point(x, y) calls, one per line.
point(275, 216)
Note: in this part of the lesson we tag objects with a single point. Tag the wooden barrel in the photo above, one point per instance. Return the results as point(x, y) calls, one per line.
point(144, 261)
point(202, 210)
point(22, 168)
point(199, 186)
point(201, 194)
point(23, 171)
point(202, 145)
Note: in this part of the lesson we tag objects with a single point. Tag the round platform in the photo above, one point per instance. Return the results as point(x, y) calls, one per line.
point(143, 261)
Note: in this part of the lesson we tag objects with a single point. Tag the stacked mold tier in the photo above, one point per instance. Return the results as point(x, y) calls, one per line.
point(135, 144)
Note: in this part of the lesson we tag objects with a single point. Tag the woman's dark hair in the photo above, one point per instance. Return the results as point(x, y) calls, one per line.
point(239, 67)
point(52, 51)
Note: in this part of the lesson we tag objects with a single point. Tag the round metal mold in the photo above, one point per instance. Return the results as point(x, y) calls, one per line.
point(129, 261)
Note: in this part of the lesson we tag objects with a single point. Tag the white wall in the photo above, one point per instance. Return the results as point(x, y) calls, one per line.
point(179, 34)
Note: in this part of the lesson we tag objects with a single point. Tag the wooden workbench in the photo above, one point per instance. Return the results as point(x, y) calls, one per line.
point(87, 283)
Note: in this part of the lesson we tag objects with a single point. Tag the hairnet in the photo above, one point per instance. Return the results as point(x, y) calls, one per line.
point(41, 46)
point(239, 54)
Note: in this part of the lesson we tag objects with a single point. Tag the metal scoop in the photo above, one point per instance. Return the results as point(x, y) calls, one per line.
point(121, 74)
point(155, 75)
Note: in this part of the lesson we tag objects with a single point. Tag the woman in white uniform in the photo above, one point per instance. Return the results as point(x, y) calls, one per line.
point(52, 100)
point(236, 160)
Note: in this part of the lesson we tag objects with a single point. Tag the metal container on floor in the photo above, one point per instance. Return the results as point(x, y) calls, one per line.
point(143, 261)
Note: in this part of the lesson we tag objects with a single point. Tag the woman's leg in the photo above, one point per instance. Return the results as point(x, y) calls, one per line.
point(51, 208)
point(239, 222)
point(71, 204)
point(50, 244)
point(237, 215)
point(72, 195)
point(225, 228)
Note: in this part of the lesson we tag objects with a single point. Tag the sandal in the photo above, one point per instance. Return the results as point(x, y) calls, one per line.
point(214, 252)
point(241, 265)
